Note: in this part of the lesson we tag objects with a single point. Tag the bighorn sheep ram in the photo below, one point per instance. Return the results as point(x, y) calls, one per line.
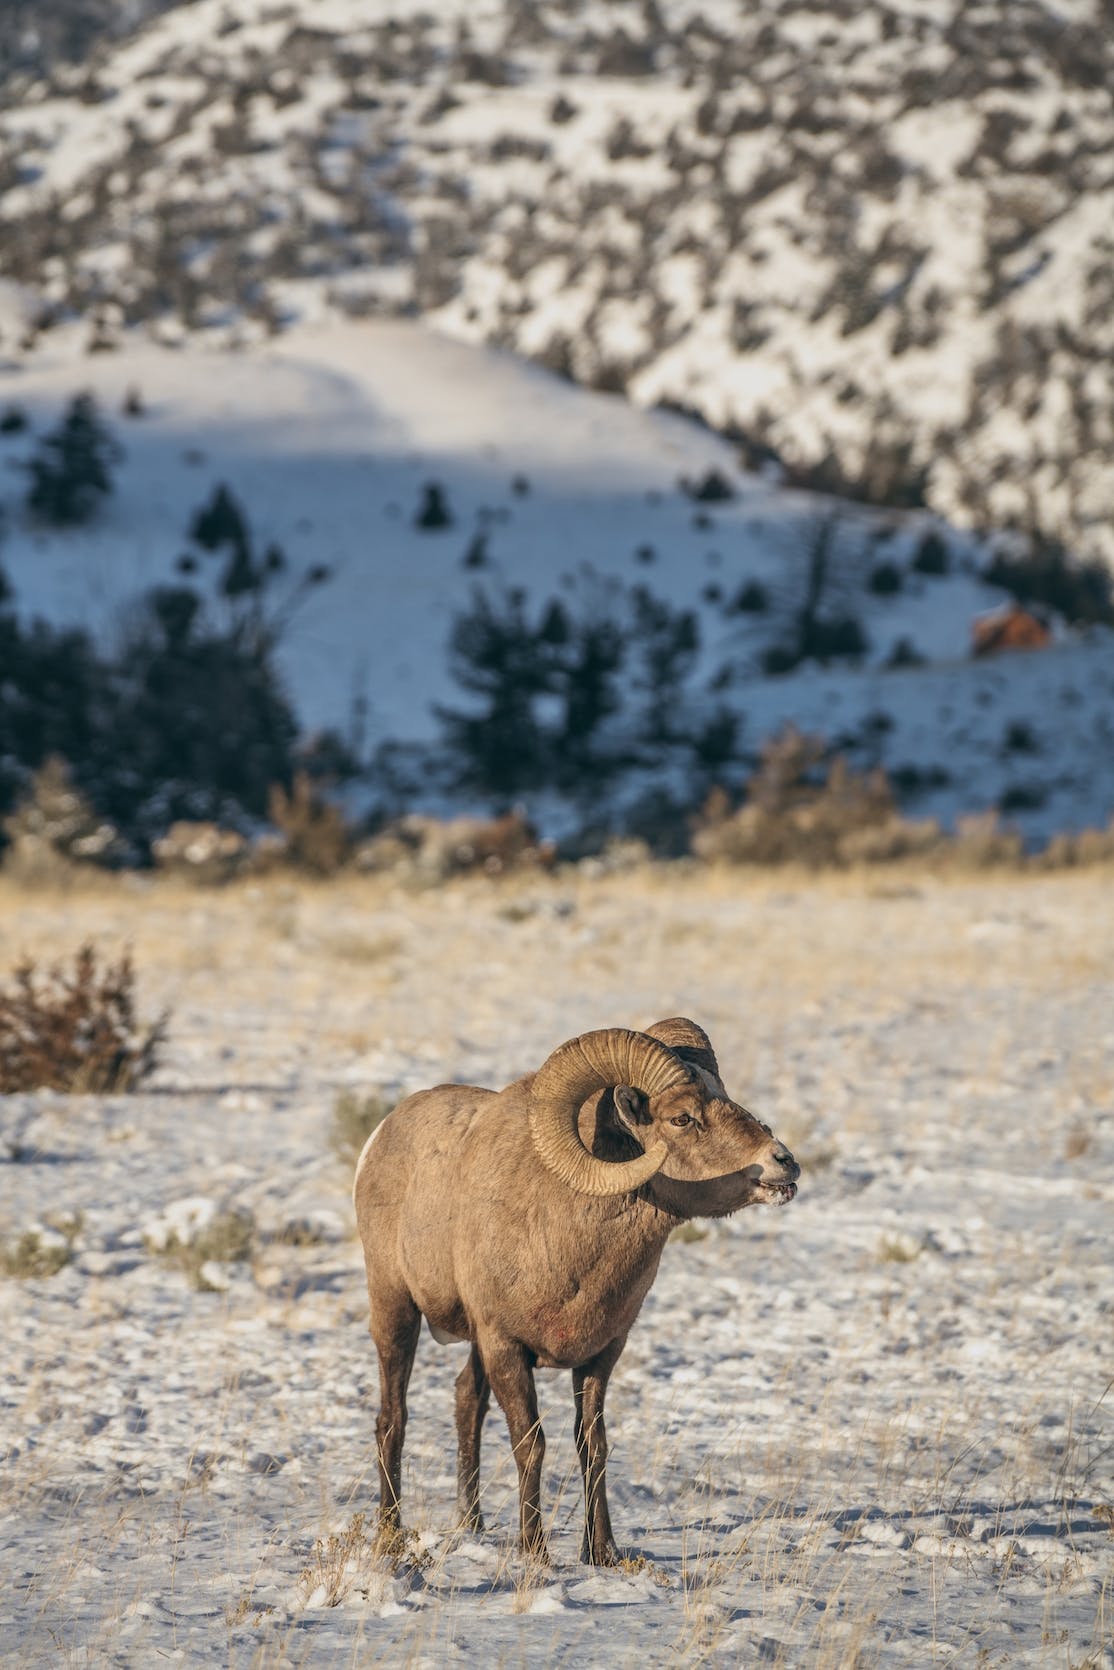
point(530, 1221)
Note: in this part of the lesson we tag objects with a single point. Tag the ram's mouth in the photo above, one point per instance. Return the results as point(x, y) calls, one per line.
point(777, 1194)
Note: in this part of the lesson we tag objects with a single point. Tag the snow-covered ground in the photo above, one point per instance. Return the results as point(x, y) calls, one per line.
point(328, 435)
point(867, 1429)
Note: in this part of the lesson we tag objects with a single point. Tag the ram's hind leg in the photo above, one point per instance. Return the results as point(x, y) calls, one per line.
point(473, 1395)
point(395, 1324)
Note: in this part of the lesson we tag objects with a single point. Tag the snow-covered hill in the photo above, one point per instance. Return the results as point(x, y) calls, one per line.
point(328, 436)
point(877, 240)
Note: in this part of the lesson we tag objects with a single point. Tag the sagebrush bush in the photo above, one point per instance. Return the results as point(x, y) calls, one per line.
point(316, 836)
point(55, 827)
point(228, 1238)
point(801, 809)
point(36, 1255)
point(76, 1031)
point(354, 1119)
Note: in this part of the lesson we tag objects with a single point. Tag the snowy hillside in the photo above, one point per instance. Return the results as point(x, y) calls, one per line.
point(877, 241)
point(329, 436)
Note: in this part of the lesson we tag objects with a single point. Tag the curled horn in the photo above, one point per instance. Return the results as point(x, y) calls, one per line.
point(690, 1042)
point(591, 1062)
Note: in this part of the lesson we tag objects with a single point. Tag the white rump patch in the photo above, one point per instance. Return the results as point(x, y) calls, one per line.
point(365, 1150)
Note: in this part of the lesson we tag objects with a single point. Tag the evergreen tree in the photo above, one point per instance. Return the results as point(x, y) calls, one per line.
point(497, 656)
point(70, 471)
point(668, 641)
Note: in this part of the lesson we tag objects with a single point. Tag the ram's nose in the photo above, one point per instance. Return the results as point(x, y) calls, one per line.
point(787, 1163)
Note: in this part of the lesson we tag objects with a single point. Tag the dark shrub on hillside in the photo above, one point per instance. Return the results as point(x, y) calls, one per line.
point(830, 640)
point(433, 513)
point(1023, 797)
point(622, 56)
point(905, 654)
point(249, 579)
point(779, 659)
point(716, 743)
point(712, 488)
point(841, 638)
point(1020, 738)
point(220, 523)
point(752, 598)
point(885, 579)
point(71, 471)
point(1046, 575)
point(476, 554)
point(933, 556)
point(13, 420)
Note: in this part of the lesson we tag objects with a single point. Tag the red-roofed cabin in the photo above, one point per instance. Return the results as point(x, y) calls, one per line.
point(1010, 628)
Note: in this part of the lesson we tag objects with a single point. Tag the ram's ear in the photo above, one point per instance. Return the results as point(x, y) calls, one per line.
point(632, 1107)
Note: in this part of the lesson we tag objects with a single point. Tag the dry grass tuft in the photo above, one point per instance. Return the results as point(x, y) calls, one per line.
point(329, 1573)
point(76, 1032)
point(228, 1239)
point(343, 1562)
point(37, 1255)
point(1077, 1142)
point(354, 1119)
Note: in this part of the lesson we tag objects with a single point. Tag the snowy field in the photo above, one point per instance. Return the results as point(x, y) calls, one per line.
point(867, 1429)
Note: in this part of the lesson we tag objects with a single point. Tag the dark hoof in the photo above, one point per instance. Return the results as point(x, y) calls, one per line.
point(473, 1520)
point(605, 1555)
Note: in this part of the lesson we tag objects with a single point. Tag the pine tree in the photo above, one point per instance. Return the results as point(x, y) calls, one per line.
point(70, 472)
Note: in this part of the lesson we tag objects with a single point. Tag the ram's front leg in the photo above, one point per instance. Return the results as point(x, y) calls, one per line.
point(589, 1387)
point(510, 1369)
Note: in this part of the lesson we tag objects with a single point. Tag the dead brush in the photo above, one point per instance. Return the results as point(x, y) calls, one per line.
point(340, 1561)
point(76, 1031)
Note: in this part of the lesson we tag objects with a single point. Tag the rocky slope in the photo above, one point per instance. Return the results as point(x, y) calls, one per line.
point(875, 242)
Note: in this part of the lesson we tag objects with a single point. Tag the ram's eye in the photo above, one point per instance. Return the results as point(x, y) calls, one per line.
point(682, 1119)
